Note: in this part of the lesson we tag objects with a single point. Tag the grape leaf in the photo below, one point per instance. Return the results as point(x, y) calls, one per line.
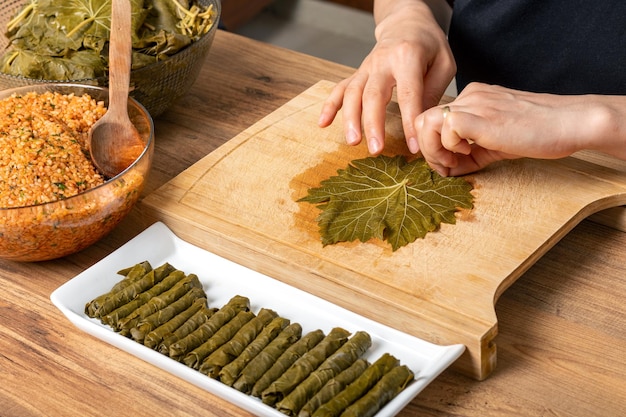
point(386, 198)
point(68, 39)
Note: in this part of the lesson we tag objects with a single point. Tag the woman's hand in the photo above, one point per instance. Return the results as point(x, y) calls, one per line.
point(411, 55)
point(489, 123)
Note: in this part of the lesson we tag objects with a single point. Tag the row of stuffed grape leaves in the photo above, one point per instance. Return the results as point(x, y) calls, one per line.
point(263, 355)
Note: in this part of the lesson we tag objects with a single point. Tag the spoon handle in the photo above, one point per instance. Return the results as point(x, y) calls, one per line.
point(120, 55)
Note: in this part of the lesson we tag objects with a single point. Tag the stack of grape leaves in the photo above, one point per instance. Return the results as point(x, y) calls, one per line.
point(263, 355)
point(68, 40)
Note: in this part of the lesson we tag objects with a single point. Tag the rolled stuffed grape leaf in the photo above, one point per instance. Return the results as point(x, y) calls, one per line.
point(195, 358)
point(207, 329)
point(334, 387)
point(158, 335)
point(345, 356)
point(304, 366)
point(387, 198)
point(165, 314)
point(131, 274)
point(359, 387)
point(390, 385)
point(151, 282)
point(128, 272)
point(230, 372)
point(228, 352)
point(188, 327)
point(162, 300)
point(292, 354)
point(265, 359)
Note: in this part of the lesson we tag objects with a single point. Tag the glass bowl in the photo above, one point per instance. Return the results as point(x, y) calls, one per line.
point(56, 229)
point(156, 86)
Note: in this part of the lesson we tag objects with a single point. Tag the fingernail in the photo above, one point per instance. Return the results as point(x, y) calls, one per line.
point(413, 145)
point(352, 138)
point(374, 146)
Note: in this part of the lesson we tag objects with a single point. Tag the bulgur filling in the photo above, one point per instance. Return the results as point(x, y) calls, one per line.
point(43, 155)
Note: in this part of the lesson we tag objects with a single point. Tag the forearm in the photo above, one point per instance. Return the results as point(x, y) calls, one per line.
point(584, 122)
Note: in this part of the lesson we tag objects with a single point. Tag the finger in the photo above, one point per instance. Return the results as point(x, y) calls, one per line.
point(376, 95)
point(478, 159)
point(462, 128)
point(429, 137)
point(437, 80)
point(450, 139)
point(332, 104)
point(417, 93)
point(352, 109)
point(409, 95)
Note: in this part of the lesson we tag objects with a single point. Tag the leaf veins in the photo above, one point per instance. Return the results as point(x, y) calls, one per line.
point(387, 198)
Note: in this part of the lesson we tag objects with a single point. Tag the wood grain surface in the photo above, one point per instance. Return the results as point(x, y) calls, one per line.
point(561, 326)
point(241, 202)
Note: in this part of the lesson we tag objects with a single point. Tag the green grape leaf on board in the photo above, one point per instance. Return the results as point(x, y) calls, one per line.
point(387, 198)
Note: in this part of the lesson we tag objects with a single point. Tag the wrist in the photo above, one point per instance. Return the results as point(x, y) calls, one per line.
point(606, 130)
point(403, 17)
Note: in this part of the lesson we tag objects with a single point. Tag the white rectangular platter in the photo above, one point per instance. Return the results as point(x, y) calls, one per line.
point(223, 279)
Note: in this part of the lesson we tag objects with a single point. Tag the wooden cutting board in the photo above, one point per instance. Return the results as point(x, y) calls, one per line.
point(240, 203)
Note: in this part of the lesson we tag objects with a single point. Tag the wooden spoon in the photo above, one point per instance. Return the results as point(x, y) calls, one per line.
point(114, 142)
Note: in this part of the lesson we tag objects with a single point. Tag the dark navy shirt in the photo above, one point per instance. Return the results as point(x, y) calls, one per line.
point(553, 46)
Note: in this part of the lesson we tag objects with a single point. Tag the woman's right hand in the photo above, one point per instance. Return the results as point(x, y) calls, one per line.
point(412, 55)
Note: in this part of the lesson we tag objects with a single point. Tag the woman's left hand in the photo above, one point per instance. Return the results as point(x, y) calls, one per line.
point(489, 123)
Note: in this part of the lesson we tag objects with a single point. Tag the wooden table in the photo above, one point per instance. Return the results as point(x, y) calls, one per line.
point(562, 331)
